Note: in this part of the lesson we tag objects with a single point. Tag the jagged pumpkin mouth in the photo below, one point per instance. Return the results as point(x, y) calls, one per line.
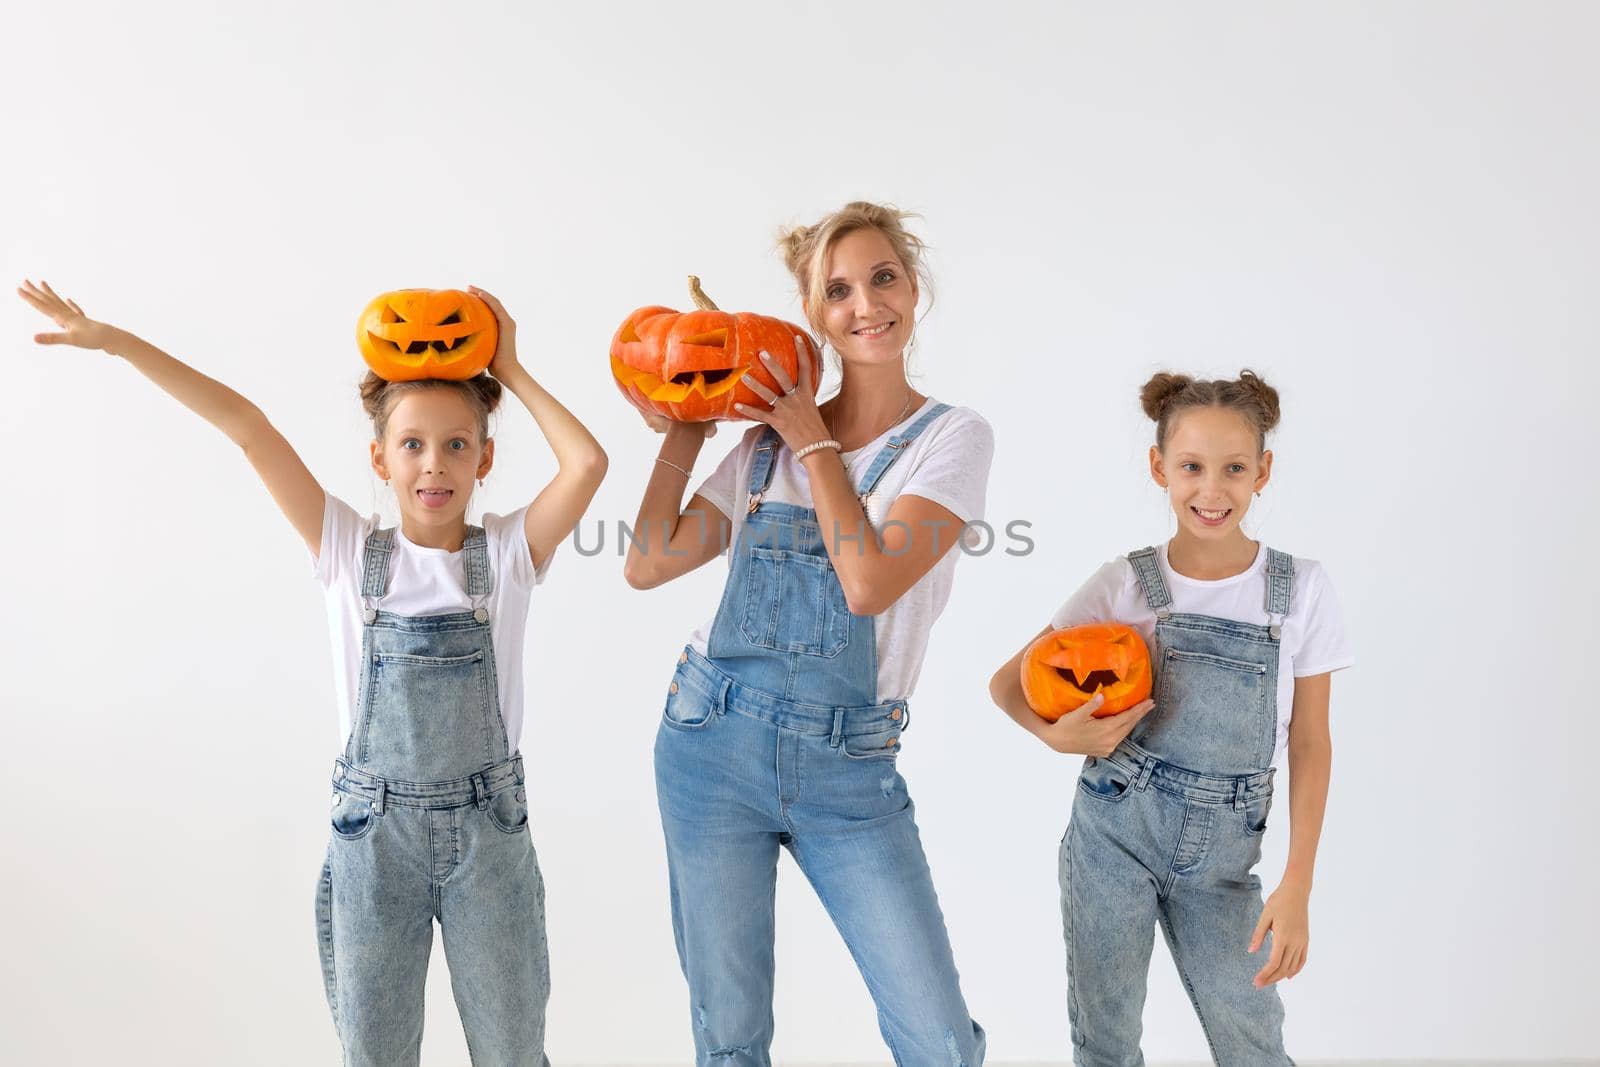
point(707, 382)
point(1092, 681)
point(416, 338)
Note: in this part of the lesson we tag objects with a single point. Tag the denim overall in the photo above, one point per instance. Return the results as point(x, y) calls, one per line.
point(776, 738)
point(430, 822)
point(1168, 828)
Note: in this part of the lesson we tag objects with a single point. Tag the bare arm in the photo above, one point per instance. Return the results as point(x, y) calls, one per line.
point(669, 543)
point(297, 493)
point(1075, 732)
point(580, 461)
point(1287, 913)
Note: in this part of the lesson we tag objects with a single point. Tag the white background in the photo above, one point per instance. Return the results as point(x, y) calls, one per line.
point(1387, 209)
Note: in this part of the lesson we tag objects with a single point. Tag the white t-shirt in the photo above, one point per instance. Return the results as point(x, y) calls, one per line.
point(948, 464)
point(426, 581)
point(1313, 638)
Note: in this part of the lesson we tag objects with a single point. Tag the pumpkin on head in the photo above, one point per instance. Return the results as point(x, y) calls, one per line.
point(411, 334)
point(690, 366)
point(1064, 668)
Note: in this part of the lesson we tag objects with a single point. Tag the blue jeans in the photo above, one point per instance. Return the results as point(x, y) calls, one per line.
point(740, 772)
point(1150, 843)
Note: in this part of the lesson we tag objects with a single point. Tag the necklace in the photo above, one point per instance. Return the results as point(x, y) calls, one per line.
point(849, 464)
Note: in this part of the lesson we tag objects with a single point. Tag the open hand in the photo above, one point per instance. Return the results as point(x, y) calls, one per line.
point(505, 347)
point(1288, 915)
point(77, 329)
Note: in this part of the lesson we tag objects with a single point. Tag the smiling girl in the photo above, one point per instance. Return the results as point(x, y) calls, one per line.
point(429, 815)
point(1172, 802)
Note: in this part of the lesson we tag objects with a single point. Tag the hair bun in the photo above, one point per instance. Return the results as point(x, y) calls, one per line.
point(1160, 391)
point(1264, 394)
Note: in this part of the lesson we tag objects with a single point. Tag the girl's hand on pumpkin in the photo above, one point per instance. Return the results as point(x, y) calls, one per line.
point(1079, 732)
point(505, 348)
point(1288, 915)
point(793, 411)
point(77, 329)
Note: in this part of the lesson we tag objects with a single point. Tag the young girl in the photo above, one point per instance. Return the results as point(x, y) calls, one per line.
point(429, 811)
point(783, 721)
point(1172, 802)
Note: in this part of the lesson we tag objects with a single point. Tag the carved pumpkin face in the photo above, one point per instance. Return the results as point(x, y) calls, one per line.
point(691, 366)
point(1064, 668)
point(427, 333)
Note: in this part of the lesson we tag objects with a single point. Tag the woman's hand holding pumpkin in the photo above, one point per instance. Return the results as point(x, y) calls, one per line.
point(793, 411)
point(505, 349)
point(1080, 733)
point(77, 329)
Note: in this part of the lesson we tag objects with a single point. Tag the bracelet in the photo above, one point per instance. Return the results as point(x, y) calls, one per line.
point(674, 466)
point(815, 445)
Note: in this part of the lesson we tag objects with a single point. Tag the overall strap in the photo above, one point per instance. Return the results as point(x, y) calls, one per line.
point(1147, 568)
point(894, 448)
point(766, 458)
point(375, 562)
point(476, 564)
point(1280, 588)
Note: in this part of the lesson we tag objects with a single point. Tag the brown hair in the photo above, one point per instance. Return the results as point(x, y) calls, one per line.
point(378, 398)
point(1165, 395)
point(805, 250)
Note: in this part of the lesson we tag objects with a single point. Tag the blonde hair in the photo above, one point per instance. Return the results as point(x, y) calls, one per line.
point(806, 248)
point(1165, 395)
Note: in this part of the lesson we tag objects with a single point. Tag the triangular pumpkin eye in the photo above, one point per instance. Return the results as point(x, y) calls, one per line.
point(391, 315)
point(450, 319)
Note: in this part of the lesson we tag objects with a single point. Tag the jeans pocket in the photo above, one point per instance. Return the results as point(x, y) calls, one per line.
point(881, 744)
point(1104, 779)
point(352, 816)
point(687, 708)
point(508, 810)
point(1256, 811)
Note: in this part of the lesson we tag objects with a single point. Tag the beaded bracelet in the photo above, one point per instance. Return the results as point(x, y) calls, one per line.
point(815, 445)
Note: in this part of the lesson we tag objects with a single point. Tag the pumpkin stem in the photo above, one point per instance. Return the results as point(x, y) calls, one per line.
point(698, 295)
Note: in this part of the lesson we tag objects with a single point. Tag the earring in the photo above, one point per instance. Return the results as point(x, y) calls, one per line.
point(480, 485)
point(386, 483)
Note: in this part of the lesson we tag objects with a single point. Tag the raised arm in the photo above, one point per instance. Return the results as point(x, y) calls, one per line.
point(297, 493)
point(669, 542)
point(580, 461)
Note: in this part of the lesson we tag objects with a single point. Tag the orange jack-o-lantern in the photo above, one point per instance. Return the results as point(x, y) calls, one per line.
point(1064, 668)
point(427, 333)
point(691, 366)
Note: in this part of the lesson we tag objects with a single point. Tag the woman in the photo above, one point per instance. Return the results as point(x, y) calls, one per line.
point(783, 721)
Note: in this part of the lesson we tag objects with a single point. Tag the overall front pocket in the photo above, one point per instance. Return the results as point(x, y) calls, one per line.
point(429, 714)
point(793, 602)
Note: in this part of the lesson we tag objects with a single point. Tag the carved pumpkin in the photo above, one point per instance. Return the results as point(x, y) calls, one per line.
point(1064, 668)
point(427, 333)
point(691, 366)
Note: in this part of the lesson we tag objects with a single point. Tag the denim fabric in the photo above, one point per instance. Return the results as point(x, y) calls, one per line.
point(739, 773)
point(776, 739)
point(430, 823)
point(1167, 831)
